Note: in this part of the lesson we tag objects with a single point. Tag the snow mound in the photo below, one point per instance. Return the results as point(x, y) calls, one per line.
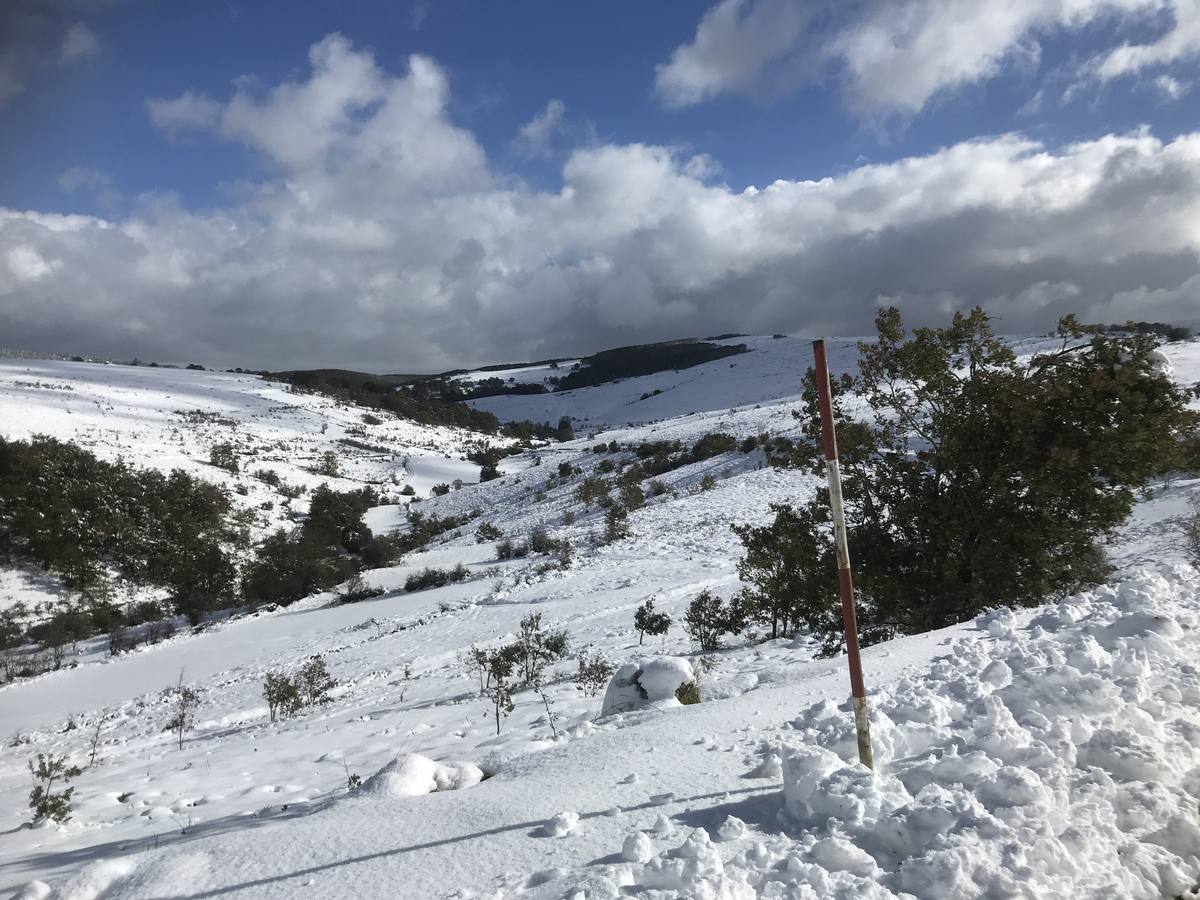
point(1069, 769)
point(647, 682)
point(411, 774)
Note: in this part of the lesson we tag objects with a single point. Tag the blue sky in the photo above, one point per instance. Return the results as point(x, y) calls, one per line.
point(677, 106)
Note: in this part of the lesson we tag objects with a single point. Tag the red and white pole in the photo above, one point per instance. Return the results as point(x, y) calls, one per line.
point(833, 475)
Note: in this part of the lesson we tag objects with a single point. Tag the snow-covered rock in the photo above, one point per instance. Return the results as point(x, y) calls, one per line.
point(411, 774)
point(648, 682)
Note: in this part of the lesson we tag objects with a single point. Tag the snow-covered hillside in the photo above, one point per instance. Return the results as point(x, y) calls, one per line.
point(1048, 753)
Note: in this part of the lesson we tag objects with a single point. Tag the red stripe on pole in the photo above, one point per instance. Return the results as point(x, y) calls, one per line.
point(833, 473)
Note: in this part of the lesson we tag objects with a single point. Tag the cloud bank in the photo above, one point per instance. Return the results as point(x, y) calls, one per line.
point(893, 57)
point(387, 240)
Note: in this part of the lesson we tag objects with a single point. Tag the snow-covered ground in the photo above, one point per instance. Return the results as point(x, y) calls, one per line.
point(1048, 753)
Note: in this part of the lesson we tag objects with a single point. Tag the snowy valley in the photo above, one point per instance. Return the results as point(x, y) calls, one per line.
point(1041, 753)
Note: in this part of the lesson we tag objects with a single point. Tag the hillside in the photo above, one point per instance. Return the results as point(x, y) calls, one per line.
point(993, 735)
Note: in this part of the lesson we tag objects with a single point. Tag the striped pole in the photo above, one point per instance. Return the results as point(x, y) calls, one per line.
point(833, 475)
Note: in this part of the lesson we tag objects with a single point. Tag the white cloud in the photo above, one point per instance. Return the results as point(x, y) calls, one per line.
point(895, 56)
point(1171, 88)
point(189, 111)
point(536, 137)
point(386, 239)
point(1179, 41)
point(78, 43)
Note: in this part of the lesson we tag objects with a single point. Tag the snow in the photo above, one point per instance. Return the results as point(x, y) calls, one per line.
point(1043, 753)
point(646, 683)
point(411, 774)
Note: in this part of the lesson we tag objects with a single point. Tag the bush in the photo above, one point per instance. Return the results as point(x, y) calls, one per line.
point(328, 465)
point(408, 490)
point(46, 803)
point(594, 673)
point(223, 457)
point(713, 444)
point(565, 470)
point(435, 578)
point(649, 622)
point(536, 648)
point(487, 532)
point(616, 525)
point(708, 482)
point(709, 617)
point(313, 682)
point(288, 568)
point(184, 700)
point(982, 479)
point(749, 445)
point(591, 490)
point(440, 490)
point(355, 590)
point(632, 496)
point(688, 693)
point(282, 695)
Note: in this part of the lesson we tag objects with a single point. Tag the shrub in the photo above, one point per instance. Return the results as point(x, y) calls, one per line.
point(435, 578)
point(487, 532)
point(46, 803)
point(565, 470)
point(536, 648)
point(328, 465)
point(184, 700)
point(591, 490)
point(982, 479)
point(708, 482)
point(370, 419)
point(313, 682)
point(440, 490)
point(749, 445)
point(632, 496)
point(606, 466)
point(709, 617)
point(223, 457)
point(616, 525)
point(658, 488)
point(688, 693)
point(282, 695)
point(355, 590)
point(594, 673)
point(569, 517)
point(408, 490)
point(649, 622)
point(713, 444)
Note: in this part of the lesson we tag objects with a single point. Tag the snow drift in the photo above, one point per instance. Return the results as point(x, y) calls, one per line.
point(647, 682)
point(411, 774)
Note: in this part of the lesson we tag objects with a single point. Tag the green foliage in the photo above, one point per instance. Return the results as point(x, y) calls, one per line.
point(328, 465)
point(688, 693)
point(435, 578)
point(184, 700)
point(709, 617)
point(649, 622)
point(790, 571)
point(487, 532)
point(223, 457)
point(289, 567)
point(565, 470)
point(616, 523)
point(313, 682)
point(536, 648)
point(282, 695)
point(713, 444)
point(644, 359)
point(80, 518)
point(980, 479)
point(44, 800)
point(708, 482)
point(440, 490)
point(594, 673)
point(631, 496)
point(591, 490)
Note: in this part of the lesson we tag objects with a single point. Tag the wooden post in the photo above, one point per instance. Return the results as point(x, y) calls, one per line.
point(833, 475)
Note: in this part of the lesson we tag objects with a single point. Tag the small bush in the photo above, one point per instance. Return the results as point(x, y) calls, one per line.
point(616, 526)
point(688, 693)
point(709, 617)
point(435, 578)
point(408, 490)
point(649, 622)
point(328, 465)
point(487, 532)
point(185, 699)
point(749, 445)
point(46, 803)
point(713, 444)
point(223, 457)
point(632, 496)
point(594, 673)
point(440, 490)
point(707, 483)
point(565, 470)
point(371, 420)
point(313, 682)
point(282, 695)
point(355, 590)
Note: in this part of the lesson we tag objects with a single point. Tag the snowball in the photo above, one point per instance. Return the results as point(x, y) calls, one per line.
point(637, 848)
point(648, 682)
point(663, 826)
point(731, 829)
point(411, 774)
point(561, 825)
point(771, 767)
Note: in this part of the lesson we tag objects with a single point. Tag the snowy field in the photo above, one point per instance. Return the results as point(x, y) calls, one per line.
point(1050, 753)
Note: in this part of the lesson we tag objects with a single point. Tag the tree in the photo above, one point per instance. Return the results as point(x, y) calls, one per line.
point(790, 570)
point(616, 523)
point(564, 431)
point(709, 617)
point(45, 802)
point(498, 689)
point(536, 647)
point(979, 479)
point(649, 622)
point(185, 699)
point(313, 682)
point(283, 698)
point(223, 457)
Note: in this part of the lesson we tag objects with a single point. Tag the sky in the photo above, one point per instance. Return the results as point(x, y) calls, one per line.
point(419, 186)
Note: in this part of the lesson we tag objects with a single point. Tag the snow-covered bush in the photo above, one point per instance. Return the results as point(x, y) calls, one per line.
point(411, 775)
point(651, 682)
point(594, 673)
